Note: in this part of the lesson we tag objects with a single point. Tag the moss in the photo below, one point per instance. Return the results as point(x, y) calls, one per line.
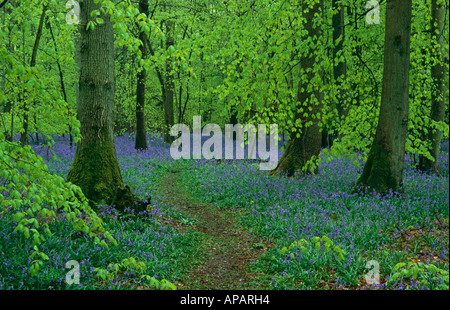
point(96, 171)
point(377, 173)
point(291, 161)
point(296, 155)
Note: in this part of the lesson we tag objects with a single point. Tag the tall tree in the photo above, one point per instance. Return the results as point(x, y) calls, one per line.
point(141, 134)
point(61, 80)
point(340, 67)
point(95, 167)
point(24, 134)
point(438, 87)
point(304, 145)
point(169, 83)
point(384, 167)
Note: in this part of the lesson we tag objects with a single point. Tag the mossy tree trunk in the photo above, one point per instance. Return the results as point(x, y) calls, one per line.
point(384, 167)
point(438, 88)
point(141, 134)
point(96, 168)
point(302, 146)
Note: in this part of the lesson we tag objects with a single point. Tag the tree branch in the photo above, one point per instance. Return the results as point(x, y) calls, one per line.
point(3, 3)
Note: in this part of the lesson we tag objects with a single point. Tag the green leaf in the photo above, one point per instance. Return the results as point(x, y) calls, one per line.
point(90, 25)
point(18, 216)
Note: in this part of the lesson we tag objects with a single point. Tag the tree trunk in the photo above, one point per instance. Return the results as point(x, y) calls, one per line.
point(169, 87)
point(26, 109)
point(96, 168)
point(141, 134)
point(302, 148)
point(339, 69)
point(61, 81)
point(438, 89)
point(383, 170)
point(7, 105)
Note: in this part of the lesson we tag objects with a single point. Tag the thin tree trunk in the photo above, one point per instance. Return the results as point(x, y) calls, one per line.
point(3, 3)
point(438, 88)
point(358, 51)
point(141, 134)
point(169, 87)
point(339, 69)
point(180, 93)
point(300, 149)
point(11, 135)
point(8, 107)
point(185, 103)
point(26, 109)
point(383, 170)
point(61, 81)
point(36, 133)
point(96, 168)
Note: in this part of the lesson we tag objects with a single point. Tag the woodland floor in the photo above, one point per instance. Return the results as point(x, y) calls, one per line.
point(227, 251)
point(225, 225)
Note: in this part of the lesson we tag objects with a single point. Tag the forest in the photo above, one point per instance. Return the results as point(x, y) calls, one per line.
point(224, 145)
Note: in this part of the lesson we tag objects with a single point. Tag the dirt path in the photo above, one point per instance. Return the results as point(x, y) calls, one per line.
point(226, 249)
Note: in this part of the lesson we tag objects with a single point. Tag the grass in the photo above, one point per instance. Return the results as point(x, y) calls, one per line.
point(287, 216)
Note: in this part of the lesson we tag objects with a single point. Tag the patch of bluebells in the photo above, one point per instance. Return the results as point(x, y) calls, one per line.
point(137, 238)
point(139, 168)
point(141, 237)
point(289, 209)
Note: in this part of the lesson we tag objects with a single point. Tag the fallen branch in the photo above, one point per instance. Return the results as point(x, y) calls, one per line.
point(439, 220)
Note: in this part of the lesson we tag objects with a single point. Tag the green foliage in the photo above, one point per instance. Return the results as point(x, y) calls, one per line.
point(154, 249)
point(428, 276)
point(159, 285)
point(242, 56)
point(31, 195)
point(36, 87)
point(293, 213)
point(130, 265)
point(317, 247)
point(305, 262)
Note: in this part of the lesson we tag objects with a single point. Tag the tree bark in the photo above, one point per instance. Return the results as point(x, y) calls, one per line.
point(141, 134)
point(383, 170)
point(438, 89)
point(301, 149)
point(96, 168)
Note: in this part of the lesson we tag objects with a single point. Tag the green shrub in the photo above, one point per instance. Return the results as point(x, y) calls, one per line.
point(428, 276)
point(113, 271)
point(314, 247)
